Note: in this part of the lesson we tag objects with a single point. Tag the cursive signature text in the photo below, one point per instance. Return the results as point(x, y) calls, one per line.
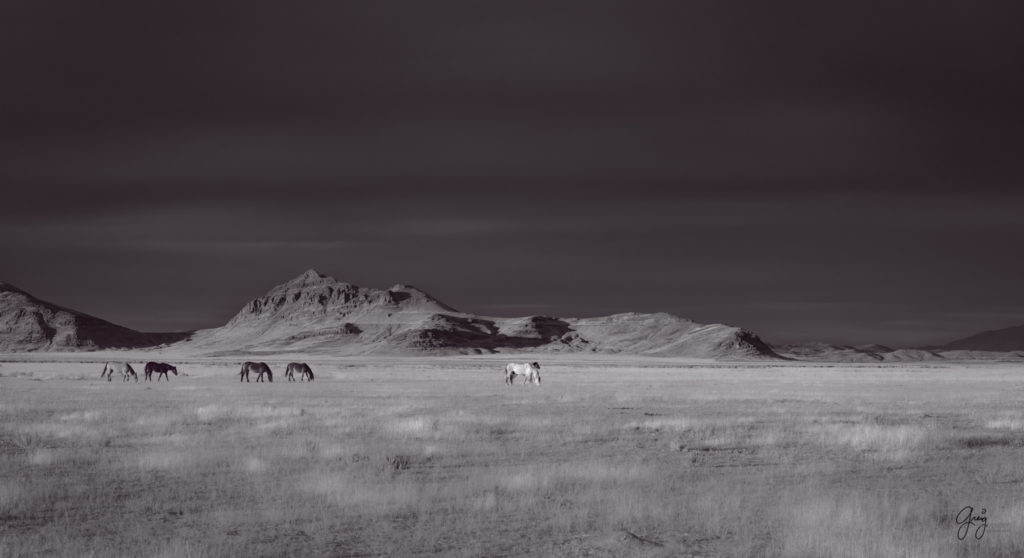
point(967, 518)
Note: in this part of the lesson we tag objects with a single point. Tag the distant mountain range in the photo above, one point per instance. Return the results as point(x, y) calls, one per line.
point(317, 314)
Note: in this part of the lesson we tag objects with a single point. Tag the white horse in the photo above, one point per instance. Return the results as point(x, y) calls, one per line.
point(122, 368)
point(529, 371)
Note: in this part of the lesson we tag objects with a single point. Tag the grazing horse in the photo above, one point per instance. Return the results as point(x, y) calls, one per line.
point(161, 369)
point(529, 371)
point(122, 368)
point(302, 368)
point(259, 368)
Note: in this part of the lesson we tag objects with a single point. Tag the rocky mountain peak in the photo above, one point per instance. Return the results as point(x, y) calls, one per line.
point(314, 294)
point(310, 277)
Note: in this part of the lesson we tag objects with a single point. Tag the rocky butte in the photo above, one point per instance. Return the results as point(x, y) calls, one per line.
point(319, 314)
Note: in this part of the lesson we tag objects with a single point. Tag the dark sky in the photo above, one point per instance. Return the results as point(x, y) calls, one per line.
point(806, 170)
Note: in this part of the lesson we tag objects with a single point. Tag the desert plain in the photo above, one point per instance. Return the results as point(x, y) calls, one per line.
point(612, 455)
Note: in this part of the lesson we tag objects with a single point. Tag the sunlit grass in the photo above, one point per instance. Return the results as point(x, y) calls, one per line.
point(695, 465)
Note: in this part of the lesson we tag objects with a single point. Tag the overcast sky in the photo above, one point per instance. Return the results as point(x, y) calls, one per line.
point(805, 170)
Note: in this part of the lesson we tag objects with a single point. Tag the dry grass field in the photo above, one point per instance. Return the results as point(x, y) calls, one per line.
point(437, 457)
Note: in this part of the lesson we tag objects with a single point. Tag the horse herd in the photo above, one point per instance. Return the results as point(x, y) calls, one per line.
point(530, 372)
point(261, 368)
point(162, 368)
point(127, 372)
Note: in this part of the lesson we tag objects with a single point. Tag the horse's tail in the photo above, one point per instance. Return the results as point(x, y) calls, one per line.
point(131, 370)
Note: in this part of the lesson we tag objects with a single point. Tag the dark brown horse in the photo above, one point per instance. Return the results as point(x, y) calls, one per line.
point(161, 369)
point(302, 368)
point(259, 368)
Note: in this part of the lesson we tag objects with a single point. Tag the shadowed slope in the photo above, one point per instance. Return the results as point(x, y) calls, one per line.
point(1006, 339)
point(30, 324)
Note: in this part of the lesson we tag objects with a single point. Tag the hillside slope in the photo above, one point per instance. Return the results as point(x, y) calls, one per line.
point(1006, 339)
point(30, 324)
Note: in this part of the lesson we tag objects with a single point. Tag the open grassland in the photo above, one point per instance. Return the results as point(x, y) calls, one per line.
point(613, 457)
